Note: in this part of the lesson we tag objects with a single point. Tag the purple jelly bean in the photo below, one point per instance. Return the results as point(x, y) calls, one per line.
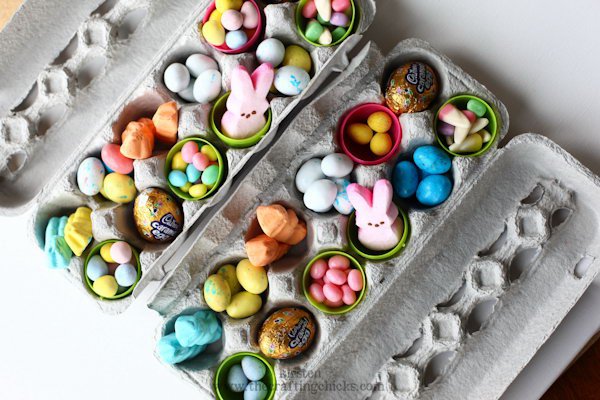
point(445, 128)
point(339, 19)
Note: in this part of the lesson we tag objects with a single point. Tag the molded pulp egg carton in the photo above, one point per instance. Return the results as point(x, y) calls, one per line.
point(483, 281)
point(111, 74)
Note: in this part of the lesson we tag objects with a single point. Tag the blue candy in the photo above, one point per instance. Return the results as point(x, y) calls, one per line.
point(193, 175)
point(172, 352)
point(236, 379)
point(253, 368)
point(432, 160)
point(236, 39)
point(202, 328)
point(126, 275)
point(96, 268)
point(177, 178)
point(405, 179)
point(434, 190)
point(256, 391)
point(58, 252)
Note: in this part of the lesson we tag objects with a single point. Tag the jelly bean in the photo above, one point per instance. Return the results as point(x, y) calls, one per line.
point(453, 116)
point(186, 188)
point(334, 304)
point(106, 286)
point(178, 163)
point(217, 293)
point(250, 14)
point(214, 33)
point(236, 39)
point(193, 175)
point(381, 144)
point(105, 253)
point(176, 77)
point(332, 292)
point(348, 295)
point(355, 280)
point(198, 190)
point(322, 21)
point(232, 20)
point(224, 5)
point(325, 279)
point(324, 9)
point(338, 33)
point(126, 275)
point(432, 160)
point(298, 57)
point(477, 106)
point(210, 152)
point(177, 178)
point(309, 10)
point(254, 369)
point(319, 281)
point(339, 19)
point(236, 379)
point(340, 5)
point(316, 292)
point(479, 124)
point(336, 276)
point(313, 31)
point(405, 179)
point(471, 144)
point(200, 161)
point(470, 115)
point(339, 262)
point(379, 121)
point(96, 267)
point(360, 133)
point(228, 272)
point(434, 190)
point(188, 150)
point(210, 175)
point(215, 16)
point(318, 269)
point(445, 128)
point(121, 252)
point(325, 38)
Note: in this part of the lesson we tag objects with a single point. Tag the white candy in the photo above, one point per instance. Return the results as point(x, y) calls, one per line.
point(479, 124)
point(198, 63)
point(270, 50)
point(188, 93)
point(308, 173)
point(208, 86)
point(337, 165)
point(460, 134)
point(325, 37)
point(324, 9)
point(177, 77)
point(320, 196)
point(291, 80)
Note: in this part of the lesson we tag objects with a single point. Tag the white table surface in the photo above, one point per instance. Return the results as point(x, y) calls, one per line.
point(540, 57)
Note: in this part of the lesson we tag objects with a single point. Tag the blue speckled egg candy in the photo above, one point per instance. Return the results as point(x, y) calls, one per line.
point(256, 391)
point(434, 190)
point(96, 268)
point(90, 176)
point(253, 368)
point(291, 80)
point(236, 379)
point(432, 160)
point(405, 179)
point(126, 275)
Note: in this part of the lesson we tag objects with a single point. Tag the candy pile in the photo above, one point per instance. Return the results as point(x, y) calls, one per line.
point(195, 170)
point(424, 177)
point(199, 80)
point(287, 333)
point(324, 183)
point(411, 88)
point(112, 271)
point(294, 63)
point(374, 133)
point(65, 236)
point(236, 289)
point(328, 20)
point(158, 217)
point(281, 229)
point(191, 336)
point(464, 130)
point(334, 283)
point(232, 23)
point(246, 377)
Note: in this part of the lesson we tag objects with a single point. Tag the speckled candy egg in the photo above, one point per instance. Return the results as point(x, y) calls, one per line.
point(405, 179)
point(253, 368)
point(207, 86)
point(176, 77)
point(342, 202)
point(252, 278)
point(337, 165)
point(320, 195)
point(157, 215)
point(236, 379)
point(287, 333)
point(118, 188)
point(272, 51)
point(90, 176)
point(243, 305)
point(308, 173)
point(96, 267)
point(217, 293)
point(434, 190)
point(432, 160)
point(256, 391)
point(198, 63)
point(291, 80)
point(411, 88)
point(126, 275)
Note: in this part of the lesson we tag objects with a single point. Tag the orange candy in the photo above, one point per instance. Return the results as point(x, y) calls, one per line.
point(166, 121)
point(263, 250)
point(138, 139)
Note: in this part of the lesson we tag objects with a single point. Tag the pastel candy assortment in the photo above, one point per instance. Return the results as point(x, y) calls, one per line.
point(96, 268)
point(325, 17)
point(199, 80)
point(324, 182)
point(232, 23)
point(113, 270)
point(464, 130)
point(425, 176)
point(374, 132)
point(334, 282)
point(195, 169)
point(246, 378)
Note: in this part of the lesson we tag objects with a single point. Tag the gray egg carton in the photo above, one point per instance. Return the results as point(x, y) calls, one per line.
point(109, 74)
point(483, 281)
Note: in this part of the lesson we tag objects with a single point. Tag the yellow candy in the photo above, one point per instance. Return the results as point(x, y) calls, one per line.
point(381, 144)
point(228, 273)
point(217, 293)
point(78, 231)
point(471, 144)
point(360, 133)
point(252, 278)
point(215, 16)
point(106, 286)
point(119, 188)
point(224, 5)
point(298, 57)
point(213, 32)
point(105, 253)
point(198, 190)
point(186, 187)
point(178, 163)
point(243, 305)
point(209, 152)
point(379, 121)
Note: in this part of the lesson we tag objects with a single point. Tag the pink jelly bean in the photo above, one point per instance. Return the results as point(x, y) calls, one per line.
point(445, 129)
point(200, 161)
point(319, 281)
point(333, 304)
point(471, 115)
point(112, 157)
point(348, 295)
point(318, 269)
point(336, 276)
point(355, 280)
point(339, 19)
point(326, 279)
point(309, 10)
point(340, 5)
point(332, 292)
point(316, 292)
point(339, 262)
point(121, 252)
point(188, 150)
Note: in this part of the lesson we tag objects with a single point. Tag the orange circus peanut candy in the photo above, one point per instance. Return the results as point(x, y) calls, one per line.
point(138, 139)
point(281, 224)
point(166, 121)
point(263, 250)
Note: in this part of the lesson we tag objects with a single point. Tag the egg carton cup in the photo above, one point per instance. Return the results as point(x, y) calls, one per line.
point(126, 46)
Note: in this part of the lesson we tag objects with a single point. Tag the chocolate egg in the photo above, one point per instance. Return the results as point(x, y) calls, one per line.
point(411, 88)
point(157, 215)
point(287, 333)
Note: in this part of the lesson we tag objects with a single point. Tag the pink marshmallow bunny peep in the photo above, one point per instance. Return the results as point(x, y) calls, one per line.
point(247, 102)
point(379, 227)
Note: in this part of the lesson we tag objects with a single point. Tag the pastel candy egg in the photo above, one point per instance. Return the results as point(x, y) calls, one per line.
point(291, 80)
point(320, 195)
point(177, 178)
point(337, 165)
point(270, 50)
point(198, 63)
point(360, 133)
point(445, 128)
point(254, 369)
point(477, 107)
point(210, 175)
point(379, 121)
point(313, 30)
point(236, 39)
point(380, 144)
point(348, 295)
point(188, 150)
point(121, 252)
point(336, 276)
point(316, 292)
point(213, 32)
point(188, 93)
point(186, 188)
point(210, 152)
point(90, 176)
point(252, 278)
point(236, 379)
point(216, 293)
point(126, 275)
point(96, 268)
point(308, 173)
point(243, 305)
point(340, 5)
point(119, 188)
point(338, 33)
point(105, 286)
point(325, 38)
point(318, 269)
point(309, 10)
point(355, 280)
point(176, 77)
point(339, 262)
point(342, 201)
point(193, 175)
point(434, 190)
point(298, 57)
point(332, 292)
point(256, 391)
point(250, 14)
point(224, 5)
point(232, 20)
point(207, 86)
point(105, 253)
point(432, 160)
point(215, 16)
point(339, 19)
point(200, 161)
point(198, 190)
point(114, 160)
point(228, 272)
point(405, 179)
point(178, 163)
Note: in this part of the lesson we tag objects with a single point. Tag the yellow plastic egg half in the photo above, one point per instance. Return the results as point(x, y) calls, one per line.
point(217, 293)
point(243, 305)
point(381, 144)
point(360, 133)
point(252, 278)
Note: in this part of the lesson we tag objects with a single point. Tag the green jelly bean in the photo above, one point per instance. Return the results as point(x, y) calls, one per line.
point(210, 175)
point(313, 31)
point(477, 107)
point(321, 20)
point(337, 33)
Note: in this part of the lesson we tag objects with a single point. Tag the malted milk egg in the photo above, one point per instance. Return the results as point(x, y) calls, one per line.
point(337, 165)
point(290, 80)
point(270, 50)
point(176, 77)
point(321, 195)
point(207, 86)
point(308, 173)
point(198, 63)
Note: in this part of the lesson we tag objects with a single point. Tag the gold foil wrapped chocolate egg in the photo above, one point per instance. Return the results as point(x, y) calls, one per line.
point(411, 88)
point(287, 333)
point(157, 216)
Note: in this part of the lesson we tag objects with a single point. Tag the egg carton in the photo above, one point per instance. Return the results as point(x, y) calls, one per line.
point(111, 74)
point(484, 279)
